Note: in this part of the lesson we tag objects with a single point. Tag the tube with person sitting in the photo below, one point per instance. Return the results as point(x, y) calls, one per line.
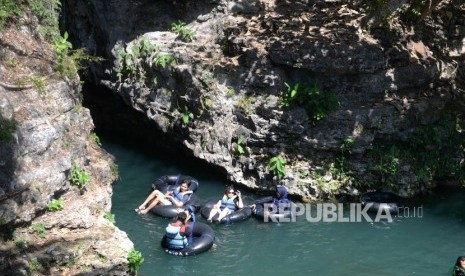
point(177, 197)
point(184, 238)
point(229, 203)
point(273, 207)
point(178, 234)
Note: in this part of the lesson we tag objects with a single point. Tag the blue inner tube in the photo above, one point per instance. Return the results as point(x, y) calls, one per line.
point(259, 211)
point(236, 216)
point(202, 241)
point(386, 200)
point(170, 182)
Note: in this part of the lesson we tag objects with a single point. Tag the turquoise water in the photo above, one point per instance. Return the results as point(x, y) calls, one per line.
point(408, 246)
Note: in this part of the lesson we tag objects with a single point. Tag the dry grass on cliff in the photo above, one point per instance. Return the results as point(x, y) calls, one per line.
point(25, 60)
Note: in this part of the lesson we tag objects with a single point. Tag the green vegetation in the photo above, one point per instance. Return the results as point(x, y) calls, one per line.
point(184, 33)
point(338, 169)
point(37, 82)
point(241, 145)
point(245, 103)
point(434, 152)
point(347, 145)
point(208, 78)
point(317, 103)
point(47, 11)
point(277, 164)
point(9, 9)
point(95, 138)
point(55, 205)
point(62, 46)
point(70, 62)
point(110, 217)
point(7, 128)
point(71, 262)
point(102, 258)
point(21, 243)
point(135, 260)
point(290, 95)
point(136, 61)
point(186, 116)
point(79, 177)
point(39, 229)
point(387, 164)
point(34, 266)
point(144, 49)
point(346, 148)
point(230, 91)
point(114, 170)
point(164, 60)
point(413, 11)
point(206, 102)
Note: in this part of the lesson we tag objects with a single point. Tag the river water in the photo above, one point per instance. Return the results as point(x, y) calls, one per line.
point(425, 244)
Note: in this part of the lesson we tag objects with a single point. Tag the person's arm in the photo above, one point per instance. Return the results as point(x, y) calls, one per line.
point(218, 204)
point(186, 229)
point(239, 202)
point(176, 202)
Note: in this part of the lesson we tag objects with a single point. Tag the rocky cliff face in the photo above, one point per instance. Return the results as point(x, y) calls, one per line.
point(48, 225)
point(218, 86)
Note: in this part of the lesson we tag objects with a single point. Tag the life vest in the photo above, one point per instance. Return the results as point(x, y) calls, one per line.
point(228, 203)
point(458, 271)
point(174, 239)
point(179, 196)
point(282, 203)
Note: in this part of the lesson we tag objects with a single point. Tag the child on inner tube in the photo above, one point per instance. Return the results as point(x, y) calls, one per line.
point(178, 234)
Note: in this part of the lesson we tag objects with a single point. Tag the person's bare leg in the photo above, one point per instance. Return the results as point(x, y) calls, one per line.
point(224, 213)
point(213, 212)
point(152, 195)
point(153, 204)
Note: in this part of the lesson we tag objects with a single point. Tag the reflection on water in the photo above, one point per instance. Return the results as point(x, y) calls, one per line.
point(407, 246)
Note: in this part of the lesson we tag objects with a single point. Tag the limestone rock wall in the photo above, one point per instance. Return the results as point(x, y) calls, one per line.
point(227, 83)
point(44, 133)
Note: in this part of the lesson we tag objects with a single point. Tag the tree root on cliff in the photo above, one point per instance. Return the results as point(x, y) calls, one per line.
point(15, 87)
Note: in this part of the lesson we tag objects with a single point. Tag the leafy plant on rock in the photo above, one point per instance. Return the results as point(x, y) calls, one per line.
point(79, 176)
point(110, 217)
point(241, 145)
point(277, 164)
point(55, 205)
point(184, 33)
point(135, 260)
point(164, 60)
point(69, 61)
point(186, 116)
point(39, 229)
point(316, 102)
